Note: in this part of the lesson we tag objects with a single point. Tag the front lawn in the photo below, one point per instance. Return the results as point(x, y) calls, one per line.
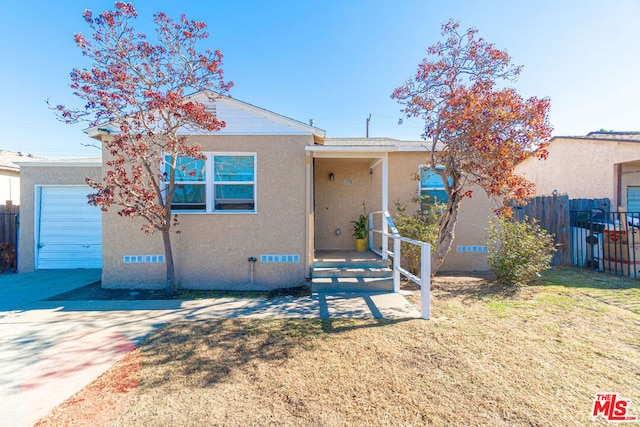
point(487, 357)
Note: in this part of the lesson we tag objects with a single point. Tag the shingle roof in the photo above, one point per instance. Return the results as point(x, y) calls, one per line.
point(374, 142)
point(617, 136)
point(9, 159)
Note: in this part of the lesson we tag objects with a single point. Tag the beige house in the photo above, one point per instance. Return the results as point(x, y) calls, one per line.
point(599, 165)
point(272, 189)
point(10, 175)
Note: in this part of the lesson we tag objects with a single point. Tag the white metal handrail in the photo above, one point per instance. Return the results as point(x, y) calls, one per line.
point(389, 230)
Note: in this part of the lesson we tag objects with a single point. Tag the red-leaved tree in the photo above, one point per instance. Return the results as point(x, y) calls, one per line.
point(478, 130)
point(140, 90)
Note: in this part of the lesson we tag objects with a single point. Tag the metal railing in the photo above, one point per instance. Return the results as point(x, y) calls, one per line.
point(606, 241)
point(388, 230)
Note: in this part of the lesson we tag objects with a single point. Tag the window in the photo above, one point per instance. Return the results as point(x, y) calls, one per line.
point(431, 187)
point(190, 193)
point(221, 183)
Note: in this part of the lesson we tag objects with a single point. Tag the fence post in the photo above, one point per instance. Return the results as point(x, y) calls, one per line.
point(370, 228)
point(396, 265)
point(385, 239)
point(425, 281)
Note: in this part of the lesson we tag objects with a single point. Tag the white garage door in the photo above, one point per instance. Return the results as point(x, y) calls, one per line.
point(69, 233)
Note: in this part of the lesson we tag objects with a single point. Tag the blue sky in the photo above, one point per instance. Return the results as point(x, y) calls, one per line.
point(337, 61)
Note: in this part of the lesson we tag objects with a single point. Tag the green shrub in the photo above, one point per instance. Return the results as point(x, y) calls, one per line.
point(518, 250)
point(422, 226)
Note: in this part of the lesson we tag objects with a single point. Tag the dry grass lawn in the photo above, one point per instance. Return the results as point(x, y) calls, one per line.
point(533, 358)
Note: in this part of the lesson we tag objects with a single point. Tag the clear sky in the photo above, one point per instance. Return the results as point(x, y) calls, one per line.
point(336, 61)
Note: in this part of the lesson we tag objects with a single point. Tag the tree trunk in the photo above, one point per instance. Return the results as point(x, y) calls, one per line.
point(447, 225)
point(171, 287)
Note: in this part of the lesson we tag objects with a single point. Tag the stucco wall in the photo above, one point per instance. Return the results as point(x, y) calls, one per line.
point(473, 216)
point(211, 250)
point(9, 187)
point(30, 177)
point(581, 168)
point(340, 201)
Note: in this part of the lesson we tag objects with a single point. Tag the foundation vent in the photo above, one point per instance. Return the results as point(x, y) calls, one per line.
point(471, 249)
point(279, 258)
point(143, 259)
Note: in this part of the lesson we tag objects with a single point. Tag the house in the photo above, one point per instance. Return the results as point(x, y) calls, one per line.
point(10, 175)
point(598, 165)
point(272, 189)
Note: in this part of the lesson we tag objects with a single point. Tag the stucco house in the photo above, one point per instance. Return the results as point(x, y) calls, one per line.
point(272, 189)
point(598, 165)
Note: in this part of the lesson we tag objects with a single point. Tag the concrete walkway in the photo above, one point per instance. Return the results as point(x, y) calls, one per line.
point(50, 350)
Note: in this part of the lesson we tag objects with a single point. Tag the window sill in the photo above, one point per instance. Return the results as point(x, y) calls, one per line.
point(175, 212)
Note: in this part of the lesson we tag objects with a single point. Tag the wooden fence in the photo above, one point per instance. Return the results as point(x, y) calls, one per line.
point(9, 215)
point(554, 215)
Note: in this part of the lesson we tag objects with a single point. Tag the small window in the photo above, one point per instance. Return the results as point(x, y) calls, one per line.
point(221, 183)
point(190, 192)
point(234, 182)
point(431, 187)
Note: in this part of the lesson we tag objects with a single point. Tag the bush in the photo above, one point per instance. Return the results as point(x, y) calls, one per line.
point(518, 250)
point(422, 226)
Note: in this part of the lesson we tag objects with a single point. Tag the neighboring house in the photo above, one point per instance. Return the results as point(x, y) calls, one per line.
point(10, 175)
point(271, 188)
point(598, 165)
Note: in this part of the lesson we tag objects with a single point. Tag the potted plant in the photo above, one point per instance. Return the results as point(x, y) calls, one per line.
point(360, 232)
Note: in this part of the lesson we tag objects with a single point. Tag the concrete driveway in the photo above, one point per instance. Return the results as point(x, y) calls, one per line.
point(50, 350)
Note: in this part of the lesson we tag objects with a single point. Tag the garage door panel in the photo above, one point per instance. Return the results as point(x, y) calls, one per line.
point(70, 256)
point(70, 230)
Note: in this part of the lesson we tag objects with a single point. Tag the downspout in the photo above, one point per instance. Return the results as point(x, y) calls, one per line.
point(619, 185)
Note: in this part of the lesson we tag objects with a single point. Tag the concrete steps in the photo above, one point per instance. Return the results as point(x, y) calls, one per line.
point(352, 274)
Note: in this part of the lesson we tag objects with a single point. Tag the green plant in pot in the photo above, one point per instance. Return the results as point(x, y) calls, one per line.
point(360, 232)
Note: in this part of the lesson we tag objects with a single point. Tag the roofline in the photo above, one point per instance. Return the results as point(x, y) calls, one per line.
point(97, 131)
point(316, 131)
point(592, 138)
point(63, 163)
point(364, 148)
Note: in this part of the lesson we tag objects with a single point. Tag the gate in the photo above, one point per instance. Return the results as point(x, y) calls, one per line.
point(552, 214)
point(9, 223)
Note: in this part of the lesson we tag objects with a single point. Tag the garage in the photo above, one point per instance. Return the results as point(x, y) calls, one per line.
point(68, 229)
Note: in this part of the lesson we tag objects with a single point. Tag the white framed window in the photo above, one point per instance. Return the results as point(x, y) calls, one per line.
point(191, 186)
point(223, 183)
point(431, 187)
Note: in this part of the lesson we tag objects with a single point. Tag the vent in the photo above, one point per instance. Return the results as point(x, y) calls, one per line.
point(279, 258)
point(143, 259)
point(213, 108)
point(471, 249)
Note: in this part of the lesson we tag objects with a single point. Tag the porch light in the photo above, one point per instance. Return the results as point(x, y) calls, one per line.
point(332, 177)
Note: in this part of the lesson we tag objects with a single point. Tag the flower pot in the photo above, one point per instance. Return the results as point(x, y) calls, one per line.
point(361, 245)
